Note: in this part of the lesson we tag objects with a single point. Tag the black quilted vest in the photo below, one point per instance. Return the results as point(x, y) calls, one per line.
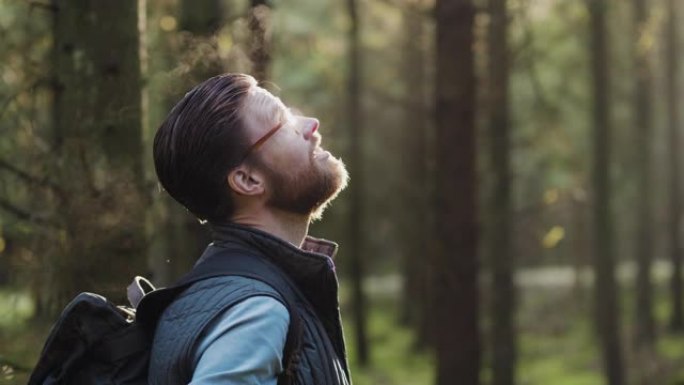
point(321, 360)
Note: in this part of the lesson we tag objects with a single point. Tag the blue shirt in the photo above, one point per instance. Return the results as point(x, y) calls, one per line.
point(244, 345)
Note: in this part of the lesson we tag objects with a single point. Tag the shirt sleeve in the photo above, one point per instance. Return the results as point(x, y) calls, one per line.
point(244, 345)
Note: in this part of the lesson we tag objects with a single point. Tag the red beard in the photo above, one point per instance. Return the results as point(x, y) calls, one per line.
point(309, 190)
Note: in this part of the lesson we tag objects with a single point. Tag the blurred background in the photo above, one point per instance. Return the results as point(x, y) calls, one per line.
point(514, 213)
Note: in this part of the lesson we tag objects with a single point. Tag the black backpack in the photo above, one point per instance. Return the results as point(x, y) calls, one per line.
point(97, 342)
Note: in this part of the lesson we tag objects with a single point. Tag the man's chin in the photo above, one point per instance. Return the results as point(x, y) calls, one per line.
point(340, 179)
point(341, 175)
point(310, 192)
point(322, 155)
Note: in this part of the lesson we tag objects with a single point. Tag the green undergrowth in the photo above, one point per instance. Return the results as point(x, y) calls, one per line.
point(20, 340)
point(394, 358)
point(556, 342)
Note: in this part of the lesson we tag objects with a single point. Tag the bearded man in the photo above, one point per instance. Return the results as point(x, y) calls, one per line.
point(236, 157)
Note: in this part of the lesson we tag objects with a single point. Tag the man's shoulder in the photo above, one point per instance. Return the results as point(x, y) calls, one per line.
point(224, 290)
point(229, 282)
point(203, 309)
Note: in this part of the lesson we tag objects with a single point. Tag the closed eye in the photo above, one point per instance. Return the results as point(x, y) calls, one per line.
point(293, 124)
point(293, 116)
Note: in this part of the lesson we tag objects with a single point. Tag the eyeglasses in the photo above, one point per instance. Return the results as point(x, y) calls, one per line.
point(261, 141)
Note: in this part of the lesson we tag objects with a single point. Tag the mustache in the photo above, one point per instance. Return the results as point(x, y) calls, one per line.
point(316, 140)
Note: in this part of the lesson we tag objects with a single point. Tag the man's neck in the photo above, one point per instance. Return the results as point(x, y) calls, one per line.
point(289, 227)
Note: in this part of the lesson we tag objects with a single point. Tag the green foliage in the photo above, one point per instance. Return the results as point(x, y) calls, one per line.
point(20, 340)
point(559, 347)
point(17, 309)
point(24, 106)
point(395, 357)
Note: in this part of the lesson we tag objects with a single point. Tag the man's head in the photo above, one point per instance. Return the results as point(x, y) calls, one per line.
point(230, 146)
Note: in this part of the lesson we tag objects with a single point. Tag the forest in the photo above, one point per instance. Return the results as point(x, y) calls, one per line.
point(514, 213)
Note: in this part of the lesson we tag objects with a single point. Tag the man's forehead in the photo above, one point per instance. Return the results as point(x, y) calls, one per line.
point(264, 107)
point(267, 100)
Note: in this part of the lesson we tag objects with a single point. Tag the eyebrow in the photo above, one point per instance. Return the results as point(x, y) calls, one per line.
point(284, 113)
point(295, 111)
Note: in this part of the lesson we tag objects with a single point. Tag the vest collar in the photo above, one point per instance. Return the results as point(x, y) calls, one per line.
point(314, 246)
point(310, 267)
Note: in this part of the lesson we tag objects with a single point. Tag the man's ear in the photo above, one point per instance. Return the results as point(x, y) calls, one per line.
point(246, 181)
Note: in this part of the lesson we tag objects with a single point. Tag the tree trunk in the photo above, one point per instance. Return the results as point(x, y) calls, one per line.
point(456, 270)
point(357, 186)
point(645, 324)
point(414, 221)
point(606, 304)
point(501, 247)
point(259, 22)
point(98, 142)
point(672, 83)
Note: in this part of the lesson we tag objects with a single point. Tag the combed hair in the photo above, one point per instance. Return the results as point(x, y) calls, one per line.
point(202, 138)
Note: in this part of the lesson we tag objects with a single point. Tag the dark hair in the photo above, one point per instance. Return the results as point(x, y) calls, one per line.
point(199, 142)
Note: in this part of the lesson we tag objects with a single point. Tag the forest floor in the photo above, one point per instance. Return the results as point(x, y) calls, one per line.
point(555, 333)
point(556, 339)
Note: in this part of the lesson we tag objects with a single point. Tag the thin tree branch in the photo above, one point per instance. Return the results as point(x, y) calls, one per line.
point(31, 179)
point(24, 215)
point(6, 103)
point(527, 44)
point(39, 82)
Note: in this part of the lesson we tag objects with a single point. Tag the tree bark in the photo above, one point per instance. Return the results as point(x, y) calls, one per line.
point(357, 186)
point(675, 227)
point(606, 303)
point(98, 142)
point(456, 269)
point(501, 247)
point(414, 221)
point(645, 324)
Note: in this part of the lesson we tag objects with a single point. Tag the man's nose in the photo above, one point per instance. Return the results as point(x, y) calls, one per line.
point(312, 126)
